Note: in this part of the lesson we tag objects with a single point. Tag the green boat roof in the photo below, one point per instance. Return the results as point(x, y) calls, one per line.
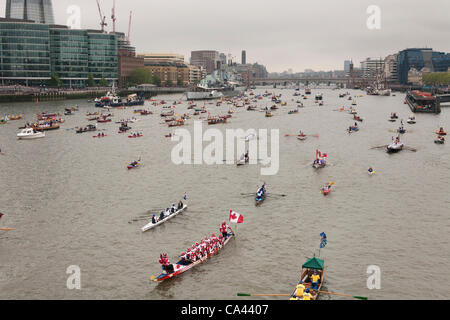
point(313, 263)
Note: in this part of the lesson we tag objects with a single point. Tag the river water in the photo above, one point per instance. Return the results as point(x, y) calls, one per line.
point(71, 201)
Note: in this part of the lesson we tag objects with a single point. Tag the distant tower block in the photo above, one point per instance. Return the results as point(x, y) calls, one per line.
point(244, 57)
point(40, 11)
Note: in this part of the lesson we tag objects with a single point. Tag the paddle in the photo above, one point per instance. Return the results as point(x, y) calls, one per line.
point(288, 295)
point(297, 135)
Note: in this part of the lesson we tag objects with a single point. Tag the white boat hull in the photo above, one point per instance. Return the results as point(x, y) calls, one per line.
point(153, 225)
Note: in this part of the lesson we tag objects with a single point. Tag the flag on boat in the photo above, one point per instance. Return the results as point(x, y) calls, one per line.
point(236, 217)
point(185, 197)
point(323, 240)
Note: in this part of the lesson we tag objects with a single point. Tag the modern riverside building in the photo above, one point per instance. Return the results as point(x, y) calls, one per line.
point(24, 52)
point(419, 58)
point(103, 55)
point(69, 53)
point(40, 11)
point(31, 52)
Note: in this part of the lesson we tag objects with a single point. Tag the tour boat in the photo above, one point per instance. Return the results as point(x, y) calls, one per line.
point(308, 268)
point(180, 268)
point(29, 134)
point(151, 225)
point(45, 126)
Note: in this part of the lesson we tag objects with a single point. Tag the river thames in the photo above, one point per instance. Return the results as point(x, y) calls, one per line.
point(71, 201)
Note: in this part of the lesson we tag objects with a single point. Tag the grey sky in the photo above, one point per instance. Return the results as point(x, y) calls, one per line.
point(282, 34)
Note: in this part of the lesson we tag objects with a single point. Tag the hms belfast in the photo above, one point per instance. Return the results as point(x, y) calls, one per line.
point(216, 85)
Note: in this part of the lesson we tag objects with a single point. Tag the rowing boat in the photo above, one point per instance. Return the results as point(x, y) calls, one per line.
point(308, 268)
point(132, 166)
point(260, 195)
point(151, 225)
point(179, 268)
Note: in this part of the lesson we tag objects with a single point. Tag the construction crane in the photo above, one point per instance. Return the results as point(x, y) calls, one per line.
point(113, 16)
point(103, 23)
point(129, 27)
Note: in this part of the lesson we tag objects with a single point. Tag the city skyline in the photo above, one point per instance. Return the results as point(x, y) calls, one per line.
point(314, 37)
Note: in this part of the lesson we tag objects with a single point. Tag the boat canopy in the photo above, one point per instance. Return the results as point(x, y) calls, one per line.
point(313, 263)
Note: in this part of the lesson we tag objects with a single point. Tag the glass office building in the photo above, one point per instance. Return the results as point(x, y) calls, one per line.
point(69, 55)
point(31, 52)
point(40, 11)
point(24, 52)
point(419, 58)
point(103, 55)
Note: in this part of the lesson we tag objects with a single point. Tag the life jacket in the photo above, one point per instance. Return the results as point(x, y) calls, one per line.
point(307, 296)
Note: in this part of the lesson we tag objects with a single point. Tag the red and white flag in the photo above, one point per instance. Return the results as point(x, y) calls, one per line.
point(236, 217)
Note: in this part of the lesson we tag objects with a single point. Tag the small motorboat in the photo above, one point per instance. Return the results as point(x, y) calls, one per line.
point(29, 134)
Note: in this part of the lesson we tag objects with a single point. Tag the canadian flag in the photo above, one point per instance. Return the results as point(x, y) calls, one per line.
point(236, 217)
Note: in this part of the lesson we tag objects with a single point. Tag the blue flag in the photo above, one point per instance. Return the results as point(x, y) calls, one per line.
point(185, 197)
point(323, 240)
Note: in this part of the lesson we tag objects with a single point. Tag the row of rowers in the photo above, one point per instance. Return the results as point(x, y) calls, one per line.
point(199, 250)
point(303, 293)
point(168, 212)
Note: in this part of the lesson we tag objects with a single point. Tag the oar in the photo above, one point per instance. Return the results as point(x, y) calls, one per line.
point(5, 229)
point(289, 295)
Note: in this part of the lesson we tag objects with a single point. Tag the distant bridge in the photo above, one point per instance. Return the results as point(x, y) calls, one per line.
point(306, 81)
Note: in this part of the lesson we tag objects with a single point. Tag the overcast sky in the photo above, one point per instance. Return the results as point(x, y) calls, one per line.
point(281, 34)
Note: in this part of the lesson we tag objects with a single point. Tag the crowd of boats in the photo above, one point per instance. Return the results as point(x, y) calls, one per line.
point(312, 274)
